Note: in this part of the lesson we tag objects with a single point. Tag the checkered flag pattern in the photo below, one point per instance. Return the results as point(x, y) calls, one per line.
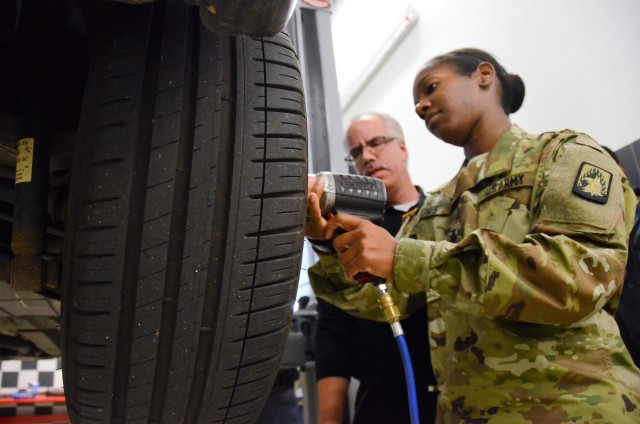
point(16, 375)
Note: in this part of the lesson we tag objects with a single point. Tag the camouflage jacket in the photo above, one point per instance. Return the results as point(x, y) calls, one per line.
point(522, 258)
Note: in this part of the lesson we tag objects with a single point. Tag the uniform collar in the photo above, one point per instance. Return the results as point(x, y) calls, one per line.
point(500, 157)
point(485, 165)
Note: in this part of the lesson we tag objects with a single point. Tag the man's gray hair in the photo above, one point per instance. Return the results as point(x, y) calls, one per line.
point(392, 125)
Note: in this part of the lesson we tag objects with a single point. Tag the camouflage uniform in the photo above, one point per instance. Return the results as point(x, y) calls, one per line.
point(522, 258)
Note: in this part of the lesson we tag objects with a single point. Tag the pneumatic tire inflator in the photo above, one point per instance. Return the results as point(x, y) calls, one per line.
point(366, 197)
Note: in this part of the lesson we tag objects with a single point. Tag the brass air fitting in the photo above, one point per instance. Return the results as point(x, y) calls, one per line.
point(388, 305)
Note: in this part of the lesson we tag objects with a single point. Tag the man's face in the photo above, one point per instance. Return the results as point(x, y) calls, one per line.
point(388, 162)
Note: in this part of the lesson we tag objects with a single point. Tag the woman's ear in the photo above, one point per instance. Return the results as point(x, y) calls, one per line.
point(486, 73)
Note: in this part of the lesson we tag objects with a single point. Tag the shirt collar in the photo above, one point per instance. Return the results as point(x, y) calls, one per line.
point(500, 157)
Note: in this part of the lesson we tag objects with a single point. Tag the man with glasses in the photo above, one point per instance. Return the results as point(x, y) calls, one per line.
point(347, 346)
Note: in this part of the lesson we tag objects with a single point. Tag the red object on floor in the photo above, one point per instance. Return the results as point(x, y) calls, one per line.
point(36, 419)
point(41, 400)
point(37, 399)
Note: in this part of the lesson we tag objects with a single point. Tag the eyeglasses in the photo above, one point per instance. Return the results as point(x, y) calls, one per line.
point(376, 144)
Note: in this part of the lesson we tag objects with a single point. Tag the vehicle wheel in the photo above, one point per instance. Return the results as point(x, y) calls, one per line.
point(186, 216)
point(247, 17)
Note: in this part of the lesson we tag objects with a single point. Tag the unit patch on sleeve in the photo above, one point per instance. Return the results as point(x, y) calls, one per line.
point(593, 183)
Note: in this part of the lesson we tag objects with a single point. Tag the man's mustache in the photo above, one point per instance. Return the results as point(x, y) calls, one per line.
point(371, 167)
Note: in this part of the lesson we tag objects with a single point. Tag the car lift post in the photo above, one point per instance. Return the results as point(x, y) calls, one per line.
point(310, 29)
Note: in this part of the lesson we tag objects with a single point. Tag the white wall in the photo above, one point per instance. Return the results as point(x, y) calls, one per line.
point(579, 59)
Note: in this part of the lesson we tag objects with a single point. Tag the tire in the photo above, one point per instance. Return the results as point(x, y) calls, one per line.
point(186, 216)
point(255, 18)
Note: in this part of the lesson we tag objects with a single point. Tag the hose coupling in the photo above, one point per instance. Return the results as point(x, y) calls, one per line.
point(387, 304)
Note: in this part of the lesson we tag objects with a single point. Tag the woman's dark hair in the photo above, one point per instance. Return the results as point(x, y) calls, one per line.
point(466, 61)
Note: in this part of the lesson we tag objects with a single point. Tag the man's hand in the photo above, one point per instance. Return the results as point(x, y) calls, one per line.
point(364, 247)
point(316, 223)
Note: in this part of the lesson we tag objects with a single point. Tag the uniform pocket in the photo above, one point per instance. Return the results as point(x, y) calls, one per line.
point(494, 213)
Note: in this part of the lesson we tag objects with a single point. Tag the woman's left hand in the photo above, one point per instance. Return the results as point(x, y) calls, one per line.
point(364, 247)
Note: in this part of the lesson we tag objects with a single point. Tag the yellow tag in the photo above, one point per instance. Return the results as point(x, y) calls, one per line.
point(24, 163)
point(409, 214)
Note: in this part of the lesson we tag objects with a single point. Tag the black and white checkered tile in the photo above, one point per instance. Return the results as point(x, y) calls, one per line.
point(16, 375)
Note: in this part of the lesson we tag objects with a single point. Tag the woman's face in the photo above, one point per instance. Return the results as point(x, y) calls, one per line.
point(449, 103)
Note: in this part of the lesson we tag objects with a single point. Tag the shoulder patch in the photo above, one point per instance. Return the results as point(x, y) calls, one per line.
point(593, 183)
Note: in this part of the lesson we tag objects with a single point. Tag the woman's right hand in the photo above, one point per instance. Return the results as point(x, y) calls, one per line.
point(316, 223)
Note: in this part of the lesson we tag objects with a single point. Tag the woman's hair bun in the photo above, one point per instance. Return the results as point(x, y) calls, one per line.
point(516, 92)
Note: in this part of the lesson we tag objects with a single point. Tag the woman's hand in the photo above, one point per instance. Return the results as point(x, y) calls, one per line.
point(316, 223)
point(364, 247)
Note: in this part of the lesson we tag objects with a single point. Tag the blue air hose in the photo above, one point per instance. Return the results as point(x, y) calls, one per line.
point(392, 315)
point(411, 382)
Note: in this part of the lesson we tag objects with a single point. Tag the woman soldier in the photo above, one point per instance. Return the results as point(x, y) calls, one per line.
point(521, 255)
